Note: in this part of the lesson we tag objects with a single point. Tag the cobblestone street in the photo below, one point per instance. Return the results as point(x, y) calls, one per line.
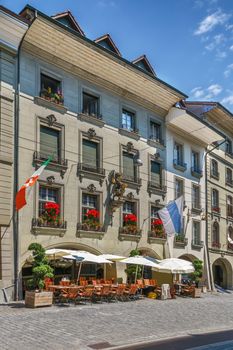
point(122, 323)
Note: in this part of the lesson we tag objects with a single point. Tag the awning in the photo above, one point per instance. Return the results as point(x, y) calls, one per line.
point(192, 126)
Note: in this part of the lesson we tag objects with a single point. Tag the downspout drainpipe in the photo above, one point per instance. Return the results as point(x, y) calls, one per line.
point(210, 273)
point(16, 174)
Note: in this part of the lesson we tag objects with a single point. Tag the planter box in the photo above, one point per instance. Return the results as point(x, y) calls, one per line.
point(197, 293)
point(37, 299)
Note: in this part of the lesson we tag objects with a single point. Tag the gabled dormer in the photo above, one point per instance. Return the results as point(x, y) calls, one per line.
point(68, 20)
point(143, 63)
point(107, 42)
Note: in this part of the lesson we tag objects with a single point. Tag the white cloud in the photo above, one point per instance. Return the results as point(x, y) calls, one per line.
point(197, 92)
point(221, 54)
point(231, 47)
point(211, 21)
point(214, 89)
point(228, 70)
point(229, 26)
point(206, 94)
point(228, 100)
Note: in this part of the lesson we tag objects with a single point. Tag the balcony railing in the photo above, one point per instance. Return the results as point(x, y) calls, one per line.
point(89, 168)
point(130, 233)
point(132, 181)
point(196, 172)
point(90, 230)
point(180, 240)
point(155, 187)
point(42, 227)
point(43, 223)
point(57, 163)
point(179, 165)
point(215, 244)
point(214, 174)
point(156, 237)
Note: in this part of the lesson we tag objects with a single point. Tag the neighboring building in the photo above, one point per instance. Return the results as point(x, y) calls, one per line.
point(219, 192)
point(12, 30)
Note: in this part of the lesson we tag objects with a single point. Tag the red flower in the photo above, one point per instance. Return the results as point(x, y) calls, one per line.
point(92, 214)
point(157, 222)
point(130, 219)
point(52, 209)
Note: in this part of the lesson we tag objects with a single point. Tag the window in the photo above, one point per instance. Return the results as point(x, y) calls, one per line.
point(128, 120)
point(195, 161)
point(129, 208)
point(49, 85)
point(153, 214)
point(50, 145)
point(178, 154)
point(90, 155)
point(89, 201)
point(215, 200)
point(129, 167)
point(214, 168)
point(90, 104)
point(47, 194)
point(196, 196)
point(229, 176)
point(196, 232)
point(179, 188)
point(230, 206)
point(156, 173)
point(215, 234)
point(155, 131)
point(230, 232)
point(228, 144)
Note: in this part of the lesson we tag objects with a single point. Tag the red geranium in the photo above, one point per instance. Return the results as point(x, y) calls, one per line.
point(52, 211)
point(92, 214)
point(157, 222)
point(130, 219)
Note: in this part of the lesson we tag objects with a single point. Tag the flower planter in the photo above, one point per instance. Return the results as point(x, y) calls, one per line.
point(197, 293)
point(37, 299)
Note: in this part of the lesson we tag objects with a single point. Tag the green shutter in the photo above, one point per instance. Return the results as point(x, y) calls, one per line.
point(155, 170)
point(128, 166)
point(90, 153)
point(49, 143)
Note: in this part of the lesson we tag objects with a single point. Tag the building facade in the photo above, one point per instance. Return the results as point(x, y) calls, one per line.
point(119, 149)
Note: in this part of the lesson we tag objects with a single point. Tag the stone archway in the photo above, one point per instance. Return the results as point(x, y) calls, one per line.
point(149, 252)
point(222, 273)
point(188, 257)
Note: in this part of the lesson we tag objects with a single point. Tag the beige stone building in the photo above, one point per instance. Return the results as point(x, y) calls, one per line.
point(219, 193)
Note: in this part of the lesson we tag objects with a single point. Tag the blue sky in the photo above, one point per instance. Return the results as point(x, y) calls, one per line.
point(188, 42)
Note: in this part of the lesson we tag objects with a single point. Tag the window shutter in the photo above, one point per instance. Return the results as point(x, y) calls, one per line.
point(155, 169)
point(128, 166)
point(49, 143)
point(90, 153)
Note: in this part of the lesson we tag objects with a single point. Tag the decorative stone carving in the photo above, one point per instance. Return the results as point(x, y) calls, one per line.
point(51, 119)
point(91, 188)
point(91, 133)
point(156, 156)
point(119, 186)
point(50, 180)
point(130, 195)
point(130, 147)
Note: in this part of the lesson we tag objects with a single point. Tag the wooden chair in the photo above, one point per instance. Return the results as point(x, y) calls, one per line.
point(130, 294)
point(120, 292)
point(146, 282)
point(105, 293)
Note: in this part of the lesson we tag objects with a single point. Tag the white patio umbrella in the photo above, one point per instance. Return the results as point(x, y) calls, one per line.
point(139, 260)
point(112, 257)
point(174, 265)
point(56, 253)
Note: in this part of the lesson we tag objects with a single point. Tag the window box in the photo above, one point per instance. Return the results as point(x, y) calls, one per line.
point(179, 165)
point(216, 245)
point(216, 210)
point(195, 172)
point(134, 133)
point(180, 240)
point(50, 104)
point(90, 230)
point(157, 237)
point(130, 233)
point(196, 244)
point(60, 165)
point(43, 227)
point(92, 119)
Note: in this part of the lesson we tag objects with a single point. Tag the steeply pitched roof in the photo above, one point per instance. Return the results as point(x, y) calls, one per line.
point(68, 19)
point(107, 42)
point(144, 63)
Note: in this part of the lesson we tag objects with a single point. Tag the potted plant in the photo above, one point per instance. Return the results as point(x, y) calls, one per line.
point(130, 223)
point(91, 220)
point(131, 269)
point(35, 295)
point(157, 228)
point(197, 275)
point(50, 215)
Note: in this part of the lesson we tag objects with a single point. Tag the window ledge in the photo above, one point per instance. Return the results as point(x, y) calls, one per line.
point(181, 243)
point(230, 184)
point(82, 233)
point(229, 154)
point(40, 229)
point(125, 235)
point(60, 166)
point(155, 143)
point(92, 173)
point(214, 176)
point(160, 190)
point(180, 167)
point(96, 120)
point(133, 134)
point(49, 104)
point(196, 210)
point(152, 238)
point(133, 184)
point(196, 173)
point(197, 245)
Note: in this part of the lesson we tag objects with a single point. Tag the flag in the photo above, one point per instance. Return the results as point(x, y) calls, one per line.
point(20, 200)
point(172, 216)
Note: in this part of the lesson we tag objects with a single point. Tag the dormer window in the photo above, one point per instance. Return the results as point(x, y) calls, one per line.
point(143, 63)
point(107, 42)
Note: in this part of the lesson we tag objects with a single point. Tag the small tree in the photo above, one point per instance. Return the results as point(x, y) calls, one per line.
point(197, 274)
point(41, 269)
point(131, 269)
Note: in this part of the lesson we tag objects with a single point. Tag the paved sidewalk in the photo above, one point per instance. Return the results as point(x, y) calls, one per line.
point(103, 325)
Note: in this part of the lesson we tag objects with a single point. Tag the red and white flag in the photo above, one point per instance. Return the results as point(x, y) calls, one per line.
point(21, 195)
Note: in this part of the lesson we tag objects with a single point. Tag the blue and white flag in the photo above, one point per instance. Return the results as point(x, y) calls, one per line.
point(172, 216)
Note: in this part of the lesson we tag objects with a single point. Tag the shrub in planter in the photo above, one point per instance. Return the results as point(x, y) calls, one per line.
point(197, 274)
point(131, 269)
